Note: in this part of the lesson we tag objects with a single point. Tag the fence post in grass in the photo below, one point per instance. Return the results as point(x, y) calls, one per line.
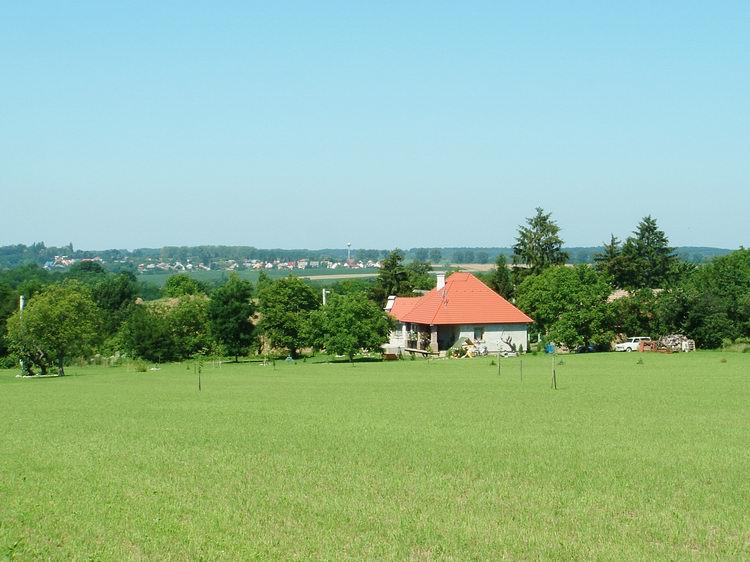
point(554, 373)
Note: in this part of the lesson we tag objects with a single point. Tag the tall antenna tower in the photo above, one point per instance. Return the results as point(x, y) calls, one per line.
point(348, 252)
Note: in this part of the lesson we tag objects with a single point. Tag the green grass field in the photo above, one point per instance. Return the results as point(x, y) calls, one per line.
point(412, 460)
point(159, 279)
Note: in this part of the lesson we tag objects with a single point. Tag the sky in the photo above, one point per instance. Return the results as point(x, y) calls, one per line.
point(391, 123)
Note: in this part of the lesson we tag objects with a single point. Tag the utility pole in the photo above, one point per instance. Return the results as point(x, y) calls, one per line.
point(325, 293)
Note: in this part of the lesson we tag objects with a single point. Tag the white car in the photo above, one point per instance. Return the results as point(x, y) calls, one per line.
point(632, 344)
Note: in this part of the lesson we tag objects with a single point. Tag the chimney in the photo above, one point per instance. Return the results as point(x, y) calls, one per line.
point(440, 280)
point(390, 303)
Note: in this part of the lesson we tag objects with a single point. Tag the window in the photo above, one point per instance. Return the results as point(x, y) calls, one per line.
point(479, 333)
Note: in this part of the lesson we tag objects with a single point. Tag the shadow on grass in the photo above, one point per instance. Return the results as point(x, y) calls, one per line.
point(356, 360)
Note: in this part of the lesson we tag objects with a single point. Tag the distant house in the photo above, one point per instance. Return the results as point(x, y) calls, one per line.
point(459, 308)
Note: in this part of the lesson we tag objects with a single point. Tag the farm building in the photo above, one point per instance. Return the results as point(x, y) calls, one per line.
point(459, 308)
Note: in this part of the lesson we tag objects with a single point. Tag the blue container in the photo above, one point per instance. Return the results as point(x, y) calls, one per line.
point(549, 348)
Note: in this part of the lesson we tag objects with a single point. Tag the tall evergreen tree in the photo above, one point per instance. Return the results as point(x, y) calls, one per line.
point(538, 244)
point(649, 262)
point(393, 278)
point(500, 279)
point(611, 262)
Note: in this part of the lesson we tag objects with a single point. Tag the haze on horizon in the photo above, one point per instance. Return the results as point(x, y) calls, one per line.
point(289, 125)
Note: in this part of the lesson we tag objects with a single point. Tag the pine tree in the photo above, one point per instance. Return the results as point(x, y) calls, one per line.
point(649, 262)
point(538, 245)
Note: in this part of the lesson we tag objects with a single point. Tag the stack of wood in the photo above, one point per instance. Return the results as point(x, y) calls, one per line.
point(675, 343)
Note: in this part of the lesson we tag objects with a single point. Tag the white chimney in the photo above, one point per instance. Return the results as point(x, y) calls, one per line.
point(440, 280)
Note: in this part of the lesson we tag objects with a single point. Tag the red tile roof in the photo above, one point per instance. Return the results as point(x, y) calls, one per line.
point(463, 300)
point(403, 305)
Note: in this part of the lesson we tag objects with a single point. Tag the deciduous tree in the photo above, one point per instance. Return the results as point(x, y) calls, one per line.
point(182, 284)
point(230, 312)
point(285, 305)
point(569, 304)
point(60, 322)
point(349, 323)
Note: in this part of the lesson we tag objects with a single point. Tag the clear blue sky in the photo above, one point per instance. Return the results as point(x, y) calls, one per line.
point(308, 124)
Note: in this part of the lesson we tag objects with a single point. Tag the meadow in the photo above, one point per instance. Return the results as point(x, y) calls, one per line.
point(220, 276)
point(409, 460)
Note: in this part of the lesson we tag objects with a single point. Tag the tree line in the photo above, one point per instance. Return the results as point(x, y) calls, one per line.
point(636, 286)
point(91, 311)
point(120, 259)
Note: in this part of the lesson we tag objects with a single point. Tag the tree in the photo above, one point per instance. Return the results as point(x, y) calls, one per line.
point(182, 284)
point(87, 271)
point(712, 303)
point(60, 322)
point(168, 330)
point(436, 255)
point(482, 257)
point(500, 279)
point(538, 245)
point(8, 304)
point(393, 278)
point(611, 262)
point(649, 261)
point(637, 314)
point(114, 295)
point(421, 254)
point(569, 304)
point(349, 323)
point(230, 314)
point(285, 306)
point(419, 275)
point(147, 334)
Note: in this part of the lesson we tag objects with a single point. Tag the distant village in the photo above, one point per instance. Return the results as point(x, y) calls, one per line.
point(153, 265)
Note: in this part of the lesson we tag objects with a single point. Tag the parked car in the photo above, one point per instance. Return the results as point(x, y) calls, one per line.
point(632, 344)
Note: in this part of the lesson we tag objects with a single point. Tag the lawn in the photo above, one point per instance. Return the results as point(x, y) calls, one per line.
point(410, 460)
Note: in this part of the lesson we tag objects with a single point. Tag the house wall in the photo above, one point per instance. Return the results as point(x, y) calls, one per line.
point(494, 334)
point(398, 336)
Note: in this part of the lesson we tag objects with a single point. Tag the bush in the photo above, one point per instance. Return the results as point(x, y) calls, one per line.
point(740, 345)
point(8, 362)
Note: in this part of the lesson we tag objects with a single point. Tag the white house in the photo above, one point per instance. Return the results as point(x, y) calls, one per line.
point(459, 307)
